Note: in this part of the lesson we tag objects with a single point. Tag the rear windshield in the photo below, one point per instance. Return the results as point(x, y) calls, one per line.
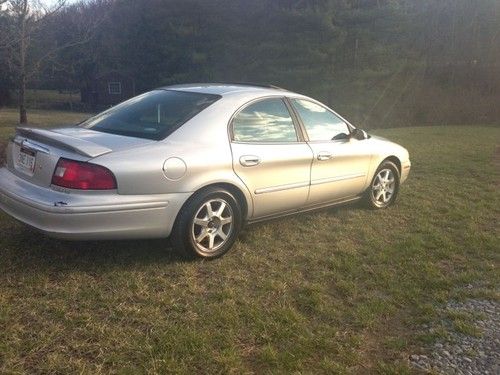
point(153, 115)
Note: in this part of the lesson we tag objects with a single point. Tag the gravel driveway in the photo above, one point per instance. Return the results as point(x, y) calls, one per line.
point(463, 353)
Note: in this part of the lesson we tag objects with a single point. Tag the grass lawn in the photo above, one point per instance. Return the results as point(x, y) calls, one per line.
point(9, 118)
point(51, 99)
point(345, 290)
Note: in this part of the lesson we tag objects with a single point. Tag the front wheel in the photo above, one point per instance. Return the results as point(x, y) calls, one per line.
point(384, 187)
point(208, 224)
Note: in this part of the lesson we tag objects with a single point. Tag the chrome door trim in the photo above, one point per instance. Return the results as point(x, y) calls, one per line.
point(339, 178)
point(273, 189)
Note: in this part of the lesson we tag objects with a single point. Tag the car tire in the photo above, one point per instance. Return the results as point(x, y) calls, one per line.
point(384, 186)
point(207, 225)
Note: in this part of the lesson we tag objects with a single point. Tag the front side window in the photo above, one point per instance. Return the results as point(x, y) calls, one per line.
point(153, 115)
point(320, 123)
point(265, 121)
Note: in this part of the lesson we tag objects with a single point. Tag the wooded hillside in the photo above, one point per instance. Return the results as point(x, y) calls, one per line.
point(379, 62)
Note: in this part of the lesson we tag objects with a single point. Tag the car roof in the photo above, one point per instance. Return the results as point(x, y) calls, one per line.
point(227, 88)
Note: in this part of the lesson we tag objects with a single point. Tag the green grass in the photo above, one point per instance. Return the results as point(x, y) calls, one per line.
point(344, 290)
point(9, 119)
point(51, 99)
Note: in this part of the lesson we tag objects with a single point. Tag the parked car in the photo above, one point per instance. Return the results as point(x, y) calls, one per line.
point(195, 162)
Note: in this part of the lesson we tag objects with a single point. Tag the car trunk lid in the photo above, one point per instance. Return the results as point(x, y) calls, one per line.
point(62, 141)
point(33, 153)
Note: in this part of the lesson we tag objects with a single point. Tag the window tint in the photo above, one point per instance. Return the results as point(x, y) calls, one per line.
point(320, 123)
point(153, 115)
point(265, 121)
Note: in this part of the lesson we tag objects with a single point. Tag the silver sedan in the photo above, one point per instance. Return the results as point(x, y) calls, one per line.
point(195, 162)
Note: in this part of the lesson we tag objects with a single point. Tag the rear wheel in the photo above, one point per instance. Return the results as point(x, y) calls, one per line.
point(384, 187)
point(208, 224)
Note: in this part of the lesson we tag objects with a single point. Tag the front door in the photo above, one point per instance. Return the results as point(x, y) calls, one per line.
point(270, 158)
point(340, 165)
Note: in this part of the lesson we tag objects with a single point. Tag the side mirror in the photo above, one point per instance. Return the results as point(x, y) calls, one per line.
point(359, 134)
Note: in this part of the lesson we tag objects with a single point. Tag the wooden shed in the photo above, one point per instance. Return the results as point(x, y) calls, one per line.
point(108, 89)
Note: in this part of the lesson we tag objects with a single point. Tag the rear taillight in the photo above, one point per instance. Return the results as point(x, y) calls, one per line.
point(81, 175)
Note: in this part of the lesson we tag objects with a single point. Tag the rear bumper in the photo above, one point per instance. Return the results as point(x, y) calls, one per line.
point(89, 216)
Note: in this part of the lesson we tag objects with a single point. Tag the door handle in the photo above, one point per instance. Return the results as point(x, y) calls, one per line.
point(249, 160)
point(324, 155)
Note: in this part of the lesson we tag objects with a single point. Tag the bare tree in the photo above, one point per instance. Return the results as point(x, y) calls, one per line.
point(25, 17)
point(21, 35)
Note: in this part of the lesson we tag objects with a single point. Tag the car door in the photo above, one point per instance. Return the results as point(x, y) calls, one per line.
point(270, 156)
point(340, 163)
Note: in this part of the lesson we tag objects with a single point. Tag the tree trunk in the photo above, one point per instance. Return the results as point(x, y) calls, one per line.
point(23, 117)
point(356, 46)
point(23, 47)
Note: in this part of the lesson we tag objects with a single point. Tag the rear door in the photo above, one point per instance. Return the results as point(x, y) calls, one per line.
point(340, 164)
point(270, 156)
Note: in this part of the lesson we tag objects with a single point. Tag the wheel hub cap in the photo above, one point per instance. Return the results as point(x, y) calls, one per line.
point(213, 224)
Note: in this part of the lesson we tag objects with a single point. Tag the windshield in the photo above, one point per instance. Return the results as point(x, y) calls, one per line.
point(153, 115)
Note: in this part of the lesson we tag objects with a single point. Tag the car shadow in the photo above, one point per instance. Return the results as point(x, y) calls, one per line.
point(25, 250)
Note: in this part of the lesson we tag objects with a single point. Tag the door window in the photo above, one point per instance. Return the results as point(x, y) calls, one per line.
point(265, 121)
point(320, 123)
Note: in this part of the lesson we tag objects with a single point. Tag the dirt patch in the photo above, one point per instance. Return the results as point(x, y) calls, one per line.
point(375, 349)
point(496, 156)
point(496, 161)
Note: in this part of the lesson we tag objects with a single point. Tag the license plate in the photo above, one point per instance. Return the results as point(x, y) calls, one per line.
point(26, 160)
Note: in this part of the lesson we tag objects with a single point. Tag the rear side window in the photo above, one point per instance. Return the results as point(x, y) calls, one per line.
point(265, 121)
point(153, 115)
point(320, 123)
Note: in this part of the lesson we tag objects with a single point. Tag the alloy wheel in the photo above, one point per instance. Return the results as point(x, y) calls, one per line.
point(212, 225)
point(383, 187)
